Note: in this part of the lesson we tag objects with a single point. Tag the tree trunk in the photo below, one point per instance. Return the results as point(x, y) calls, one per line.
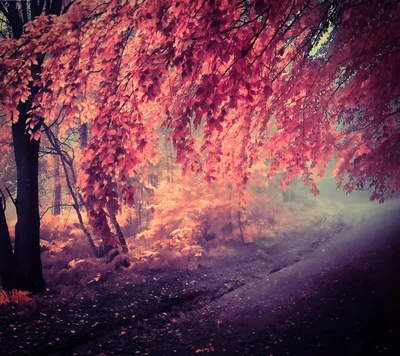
point(70, 179)
point(83, 135)
point(119, 232)
point(6, 254)
point(240, 229)
point(27, 264)
point(57, 188)
point(27, 230)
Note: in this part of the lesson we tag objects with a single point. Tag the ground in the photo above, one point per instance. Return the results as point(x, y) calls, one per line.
point(327, 290)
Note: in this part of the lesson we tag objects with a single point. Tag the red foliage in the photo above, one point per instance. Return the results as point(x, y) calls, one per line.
point(295, 82)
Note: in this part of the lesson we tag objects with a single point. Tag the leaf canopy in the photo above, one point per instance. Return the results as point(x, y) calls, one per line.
point(296, 83)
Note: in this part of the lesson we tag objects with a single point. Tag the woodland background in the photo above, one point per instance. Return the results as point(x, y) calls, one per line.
point(154, 132)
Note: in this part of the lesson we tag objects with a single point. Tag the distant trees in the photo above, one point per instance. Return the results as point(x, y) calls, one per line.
point(292, 82)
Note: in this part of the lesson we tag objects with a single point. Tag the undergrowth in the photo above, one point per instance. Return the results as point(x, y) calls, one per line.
point(15, 296)
point(180, 235)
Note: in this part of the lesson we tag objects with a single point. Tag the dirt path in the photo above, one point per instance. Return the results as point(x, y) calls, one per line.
point(339, 300)
point(335, 296)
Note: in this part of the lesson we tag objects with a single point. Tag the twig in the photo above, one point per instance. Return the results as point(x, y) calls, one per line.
point(57, 205)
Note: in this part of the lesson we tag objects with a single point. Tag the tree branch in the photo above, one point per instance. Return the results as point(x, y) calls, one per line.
point(11, 197)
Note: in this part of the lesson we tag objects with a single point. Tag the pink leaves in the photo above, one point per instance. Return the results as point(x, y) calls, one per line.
point(260, 6)
point(214, 124)
point(268, 91)
point(129, 195)
point(226, 85)
point(112, 205)
point(36, 135)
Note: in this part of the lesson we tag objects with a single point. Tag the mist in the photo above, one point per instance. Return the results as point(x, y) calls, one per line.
point(286, 273)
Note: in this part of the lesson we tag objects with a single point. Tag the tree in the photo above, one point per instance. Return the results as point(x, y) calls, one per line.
point(296, 83)
point(25, 260)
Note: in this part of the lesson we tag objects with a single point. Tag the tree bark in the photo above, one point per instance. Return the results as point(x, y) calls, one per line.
point(6, 254)
point(57, 188)
point(240, 228)
point(27, 264)
point(27, 230)
point(83, 135)
point(119, 232)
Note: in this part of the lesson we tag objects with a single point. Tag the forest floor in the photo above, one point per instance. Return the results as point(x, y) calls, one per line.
point(327, 290)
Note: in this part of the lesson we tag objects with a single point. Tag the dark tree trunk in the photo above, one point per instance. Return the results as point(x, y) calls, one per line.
point(27, 230)
point(6, 254)
point(26, 263)
point(83, 135)
point(119, 232)
point(57, 188)
point(240, 228)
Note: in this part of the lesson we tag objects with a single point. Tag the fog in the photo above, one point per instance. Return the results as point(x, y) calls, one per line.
point(296, 274)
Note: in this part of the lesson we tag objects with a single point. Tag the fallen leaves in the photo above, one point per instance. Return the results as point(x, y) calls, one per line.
point(206, 349)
